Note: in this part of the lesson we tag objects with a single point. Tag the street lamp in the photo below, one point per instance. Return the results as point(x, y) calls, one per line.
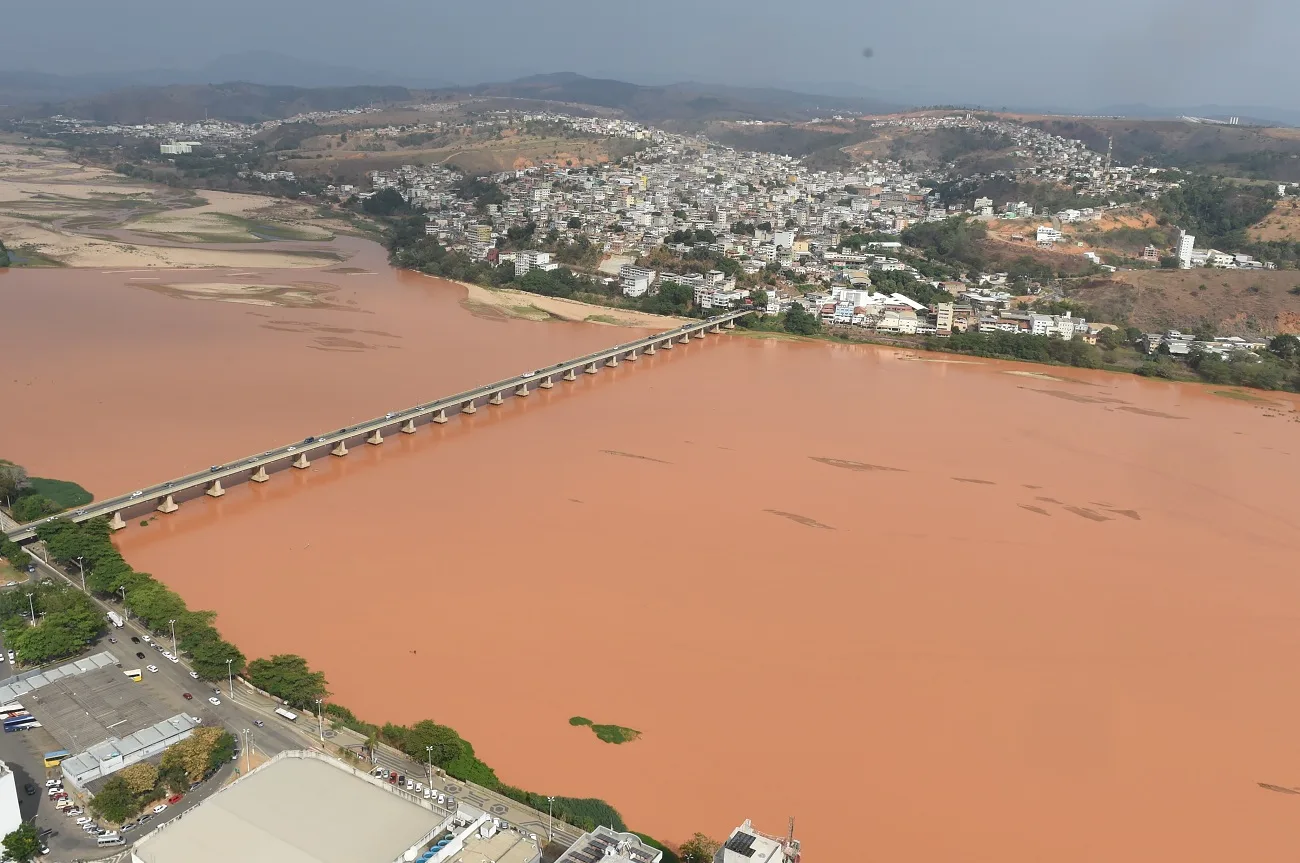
point(429, 749)
point(230, 676)
point(248, 745)
point(320, 720)
point(125, 610)
point(82, 567)
point(32, 606)
point(550, 809)
point(174, 653)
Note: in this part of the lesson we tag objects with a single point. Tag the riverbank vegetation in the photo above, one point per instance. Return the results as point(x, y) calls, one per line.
point(609, 733)
point(66, 622)
point(33, 497)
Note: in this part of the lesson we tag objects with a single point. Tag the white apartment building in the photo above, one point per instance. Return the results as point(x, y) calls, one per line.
point(1048, 234)
point(530, 259)
point(943, 317)
point(635, 281)
point(1186, 242)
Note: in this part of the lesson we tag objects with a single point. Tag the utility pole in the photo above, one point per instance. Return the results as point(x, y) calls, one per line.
point(429, 750)
point(320, 720)
point(248, 746)
point(230, 676)
point(125, 610)
point(82, 567)
point(32, 606)
point(173, 623)
point(550, 815)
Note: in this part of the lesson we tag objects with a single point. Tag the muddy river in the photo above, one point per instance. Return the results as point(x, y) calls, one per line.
point(935, 610)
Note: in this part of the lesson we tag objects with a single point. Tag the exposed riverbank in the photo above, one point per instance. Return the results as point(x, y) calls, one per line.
point(521, 304)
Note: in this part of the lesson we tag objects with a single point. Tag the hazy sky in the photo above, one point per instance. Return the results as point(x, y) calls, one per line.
point(1012, 52)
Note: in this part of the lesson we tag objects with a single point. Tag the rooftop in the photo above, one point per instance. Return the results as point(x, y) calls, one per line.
point(84, 702)
point(299, 807)
point(504, 847)
point(604, 845)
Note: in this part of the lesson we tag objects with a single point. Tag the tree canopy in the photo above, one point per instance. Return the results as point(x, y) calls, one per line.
point(22, 844)
point(287, 676)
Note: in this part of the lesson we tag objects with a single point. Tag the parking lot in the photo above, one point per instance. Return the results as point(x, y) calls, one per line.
point(82, 710)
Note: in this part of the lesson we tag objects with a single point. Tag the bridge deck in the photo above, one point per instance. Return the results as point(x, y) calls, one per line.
point(195, 484)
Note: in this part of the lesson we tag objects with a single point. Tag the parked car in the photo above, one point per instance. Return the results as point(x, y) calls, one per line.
point(30, 789)
point(159, 808)
point(11, 655)
point(187, 696)
point(127, 827)
point(112, 640)
point(194, 674)
point(50, 783)
point(174, 799)
point(152, 668)
point(139, 655)
point(85, 819)
point(174, 658)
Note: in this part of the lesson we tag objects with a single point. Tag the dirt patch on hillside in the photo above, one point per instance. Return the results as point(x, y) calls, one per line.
point(1234, 302)
point(1281, 224)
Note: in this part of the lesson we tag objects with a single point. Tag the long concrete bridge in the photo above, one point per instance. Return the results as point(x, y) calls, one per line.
point(167, 497)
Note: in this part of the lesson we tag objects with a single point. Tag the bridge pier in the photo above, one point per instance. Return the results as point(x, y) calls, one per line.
point(668, 345)
point(523, 390)
point(570, 375)
point(729, 325)
point(117, 523)
point(632, 357)
point(340, 449)
point(408, 427)
point(699, 334)
point(591, 369)
point(260, 476)
point(301, 461)
point(215, 490)
point(717, 329)
point(650, 351)
point(612, 362)
point(440, 417)
point(168, 505)
point(375, 438)
point(496, 398)
point(686, 339)
point(546, 383)
point(468, 408)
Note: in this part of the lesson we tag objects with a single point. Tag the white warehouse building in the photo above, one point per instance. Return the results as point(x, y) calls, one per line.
point(10, 817)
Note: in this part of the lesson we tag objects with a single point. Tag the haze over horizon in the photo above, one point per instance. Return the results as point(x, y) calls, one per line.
point(1021, 53)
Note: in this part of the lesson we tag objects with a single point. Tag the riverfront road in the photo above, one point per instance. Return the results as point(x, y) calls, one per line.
point(166, 496)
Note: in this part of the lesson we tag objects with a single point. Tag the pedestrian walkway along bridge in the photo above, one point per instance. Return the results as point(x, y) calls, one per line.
point(167, 496)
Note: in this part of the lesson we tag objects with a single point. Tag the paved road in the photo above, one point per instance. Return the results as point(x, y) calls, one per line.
point(240, 713)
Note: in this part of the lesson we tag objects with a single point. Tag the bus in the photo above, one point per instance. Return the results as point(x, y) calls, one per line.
point(134, 674)
point(55, 758)
point(13, 707)
point(17, 719)
point(26, 725)
point(287, 714)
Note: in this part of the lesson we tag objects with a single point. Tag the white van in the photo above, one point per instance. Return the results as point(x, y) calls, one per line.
point(111, 839)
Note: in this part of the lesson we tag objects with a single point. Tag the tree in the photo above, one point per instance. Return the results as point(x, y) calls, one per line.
point(698, 849)
point(287, 676)
point(223, 749)
point(115, 801)
point(33, 507)
point(385, 202)
point(4, 256)
point(575, 223)
point(800, 321)
point(759, 298)
point(447, 744)
point(141, 777)
point(208, 657)
point(1285, 346)
point(194, 753)
point(13, 477)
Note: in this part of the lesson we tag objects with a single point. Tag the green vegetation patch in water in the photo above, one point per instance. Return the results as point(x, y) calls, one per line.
point(65, 494)
point(615, 734)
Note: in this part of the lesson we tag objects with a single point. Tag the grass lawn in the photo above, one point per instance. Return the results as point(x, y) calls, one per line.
point(65, 494)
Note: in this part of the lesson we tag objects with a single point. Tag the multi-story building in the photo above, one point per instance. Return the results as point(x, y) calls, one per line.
point(531, 259)
point(635, 281)
point(943, 317)
point(10, 818)
point(1183, 251)
point(610, 846)
point(747, 845)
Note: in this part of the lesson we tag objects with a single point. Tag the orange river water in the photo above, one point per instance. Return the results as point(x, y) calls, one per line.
point(936, 610)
